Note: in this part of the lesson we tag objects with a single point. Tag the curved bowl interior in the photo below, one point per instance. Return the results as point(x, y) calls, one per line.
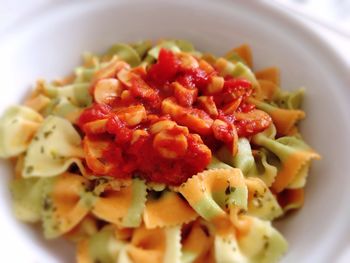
point(50, 45)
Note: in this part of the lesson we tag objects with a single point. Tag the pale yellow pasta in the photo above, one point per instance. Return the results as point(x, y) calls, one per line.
point(53, 149)
point(17, 128)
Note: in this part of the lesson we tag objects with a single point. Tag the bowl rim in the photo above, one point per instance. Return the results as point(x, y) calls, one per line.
point(276, 11)
point(302, 29)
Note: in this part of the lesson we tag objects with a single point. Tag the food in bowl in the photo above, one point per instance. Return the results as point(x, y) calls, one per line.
point(160, 153)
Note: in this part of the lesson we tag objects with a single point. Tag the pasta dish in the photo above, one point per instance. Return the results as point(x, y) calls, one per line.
point(160, 153)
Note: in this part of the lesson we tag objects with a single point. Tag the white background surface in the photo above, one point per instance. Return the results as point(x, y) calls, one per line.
point(329, 18)
point(11, 11)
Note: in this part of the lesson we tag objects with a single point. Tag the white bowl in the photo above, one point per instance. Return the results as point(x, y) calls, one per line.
point(49, 45)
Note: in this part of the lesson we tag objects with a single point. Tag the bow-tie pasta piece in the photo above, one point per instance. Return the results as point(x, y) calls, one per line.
point(67, 200)
point(261, 202)
point(27, 197)
point(197, 242)
point(212, 192)
point(17, 128)
point(76, 93)
point(255, 240)
point(284, 119)
point(104, 247)
point(293, 153)
point(122, 207)
point(54, 148)
point(155, 245)
point(262, 168)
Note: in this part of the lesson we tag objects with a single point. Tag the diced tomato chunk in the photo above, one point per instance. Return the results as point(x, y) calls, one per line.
point(233, 83)
point(195, 77)
point(166, 67)
point(246, 107)
point(222, 131)
point(185, 96)
point(118, 128)
point(95, 112)
point(250, 123)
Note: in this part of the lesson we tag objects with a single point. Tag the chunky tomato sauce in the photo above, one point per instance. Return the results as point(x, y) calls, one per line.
point(163, 123)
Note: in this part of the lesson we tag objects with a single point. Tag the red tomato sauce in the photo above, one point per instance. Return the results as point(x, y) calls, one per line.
point(133, 144)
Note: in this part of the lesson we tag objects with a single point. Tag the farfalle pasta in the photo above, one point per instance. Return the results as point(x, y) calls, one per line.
point(160, 153)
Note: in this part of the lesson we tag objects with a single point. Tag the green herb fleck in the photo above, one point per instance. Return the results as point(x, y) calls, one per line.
point(47, 134)
point(266, 245)
point(53, 155)
point(88, 187)
point(99, 181)
point(47, 203)
point(229, 190)
point(241, 212)
point(29, 169)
